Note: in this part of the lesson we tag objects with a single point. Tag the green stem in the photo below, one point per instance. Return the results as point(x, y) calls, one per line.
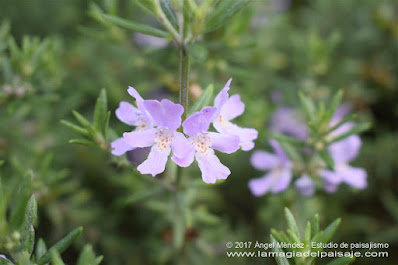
point(184, 80)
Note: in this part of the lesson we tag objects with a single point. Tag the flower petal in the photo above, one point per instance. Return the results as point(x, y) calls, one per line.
point(286, 120)
point(183, 151)
point(127, 113)
point(165, 113)
point(199, 121)
point(222, 96)
point(282, 181)
point(345, 150)
point(305, 185)
point(138, 98)
point(260, 186)
point(279, 152)
point(246, 135)
point(232, 108)
point(211, 167)
point(143, 138)
point(119, 147)
point(156, 161)
point(224, 143)
point(353, 176)
point(330, 177)
point(262, 160)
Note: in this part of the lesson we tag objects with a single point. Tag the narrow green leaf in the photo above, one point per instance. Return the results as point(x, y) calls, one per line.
point(41, 248)
point(169, 12)
point(56, 258)
point(21, 199)
point(84, 122)
point(307, 233)
point(203, 100)
point(280, 260)
point(288, 139)
point(75, 128)
point(346, 119)
point(355, 130)
point(342, 261)
point(314, 226)
point(87, 256)
point(124, 23)
point(28, 231)
point(327, 158)
point(336, 100)
point(308, 106)
point(101, 112)
point(291, 223)
point(61, 245)
point(82, 142)
point(225, 10)
point(277, 235)
point(327, 234)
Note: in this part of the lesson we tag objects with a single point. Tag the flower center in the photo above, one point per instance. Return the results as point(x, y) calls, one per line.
point(201, 142)
point(142, 124)
point(225, 123)
point(163, 138)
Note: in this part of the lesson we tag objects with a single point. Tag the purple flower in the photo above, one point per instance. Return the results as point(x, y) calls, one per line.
point(163, 138)
point(133, 116)
point(287, 121)
point(227, 109)
point(4, 257)
point(279, 170)
point(305, 185)
point(203, 143)
point(342, 153)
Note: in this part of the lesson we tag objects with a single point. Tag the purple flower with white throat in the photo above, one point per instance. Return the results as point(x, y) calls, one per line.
point(288, 121)
point(227, 109)
point(279, 169)
point(134, 116)
point(203, 144)
point(342, 153)
point(163, 138)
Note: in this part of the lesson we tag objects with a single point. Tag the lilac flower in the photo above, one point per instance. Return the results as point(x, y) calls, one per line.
point(203, 143)
point(305, 185)
point(279, 170)
point(228, 108)
point(133, 116)
point(4, 257)
point(287, 121)
point(342, 153)
point(163, 138)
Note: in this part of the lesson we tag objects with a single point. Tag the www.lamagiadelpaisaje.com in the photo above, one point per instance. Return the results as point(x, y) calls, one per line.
point(267, 250)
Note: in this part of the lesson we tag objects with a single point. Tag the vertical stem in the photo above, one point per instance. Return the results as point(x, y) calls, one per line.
point(184, 79)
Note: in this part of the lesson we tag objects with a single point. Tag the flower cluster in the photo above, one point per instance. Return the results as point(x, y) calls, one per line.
point(280, 168)
point(156, 124)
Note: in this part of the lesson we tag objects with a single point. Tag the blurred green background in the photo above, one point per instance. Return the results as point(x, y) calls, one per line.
point(271, 49)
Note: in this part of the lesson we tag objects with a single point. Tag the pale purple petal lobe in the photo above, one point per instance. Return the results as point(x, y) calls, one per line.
point(183, 151)
point(305, 185)
point(282, 179)
point(143, 138)
point(224, 143)
point(262, 160)
point(232, 108)
point(127, 113)
point(156, 161)
point(222, 96)
point(260, 186)
point(345, 150)
point(119, 147)
point(134, 93)
point(199, 121)
point(165, 113)
point(211, 167)
point(353, 176)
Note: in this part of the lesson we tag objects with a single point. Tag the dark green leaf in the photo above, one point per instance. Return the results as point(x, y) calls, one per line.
point(315, 226)
point(336, 100)
point(82, 142)
point(75, 128)
point(169, 12)
point(61, 245)
point(87, 256)
point(124, 23)
point(225, 10)
point(291, 223)
point(56, 258)
point(308, 106)
point(101, 112)
point(20, 201)
point(327, 158)
point(41, 248)
point(280, 260)
point(28, 231)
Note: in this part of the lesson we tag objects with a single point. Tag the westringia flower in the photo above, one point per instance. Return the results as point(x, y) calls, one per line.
point(227, 109)
point(203, 144)
point(4, 257)
point(134, 116)
point(305, 185)
point(162, 138)
point(279, 169)
point(342, 153)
